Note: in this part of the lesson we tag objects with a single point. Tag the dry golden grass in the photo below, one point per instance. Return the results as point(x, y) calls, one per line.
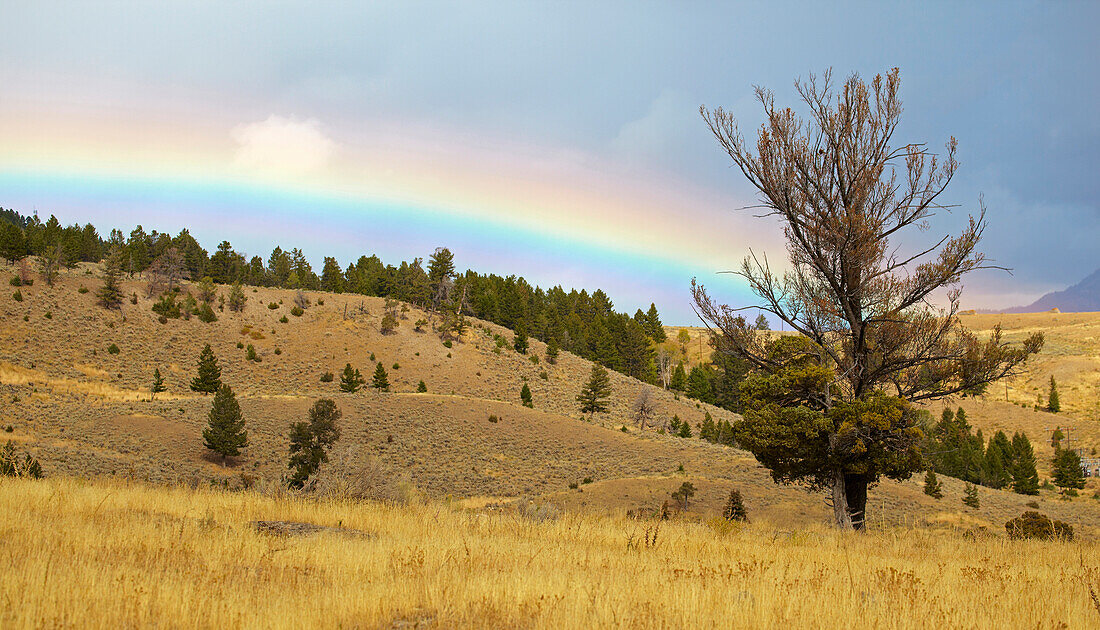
point(111, 555)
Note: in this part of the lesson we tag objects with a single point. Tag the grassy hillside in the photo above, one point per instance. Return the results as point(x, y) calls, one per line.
point(114, 554)
point(87, 412)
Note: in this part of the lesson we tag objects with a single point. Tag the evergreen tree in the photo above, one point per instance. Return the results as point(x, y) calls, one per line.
point(708, 431)
point(158, 383)
point(679, 378)
point(225, 434)
point(110, 294)
point(311, 441)
point(698, 385)
point(970, 496)
point(209, 378)
point(1025, 479)
point(1056, 438)
point(351, 380)
point(1053, 404)
point(422, 388)
point(1067, 472)
point(525, 396)
point(332, 277)
point(207, 290)
point(552, 351)
point(685, 430)
point(236, 298)
point(381, 381)
point(519, 342)
point(653, 324)
point(932, 486)
point(735, 508)
point(998, 461)
point(593, 397)
point(13, 245)
point(761, 322)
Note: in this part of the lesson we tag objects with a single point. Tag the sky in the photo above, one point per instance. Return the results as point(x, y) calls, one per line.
point(561, 142)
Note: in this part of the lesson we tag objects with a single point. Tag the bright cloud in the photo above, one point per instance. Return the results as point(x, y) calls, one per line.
point(282, 146)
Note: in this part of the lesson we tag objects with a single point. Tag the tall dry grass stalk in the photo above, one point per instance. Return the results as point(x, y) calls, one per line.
point(110, 554)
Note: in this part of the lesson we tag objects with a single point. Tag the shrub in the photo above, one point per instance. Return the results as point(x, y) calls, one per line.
point(49, 314)
point(283, 319)
point(525, 396)
point(586, 480)
point(15, 281)
point(543, 375)
point(113, 349)
point(447, 344)
point(735, 508)
point(82, 290)
point(422, 388)
point(1035, 525)
point(133, 298)
point(278, 350)
point(493, 419)
point(396, 366)
point(206, 314)
point(296, 311)
point(167, 306)
point(320, 301)
point(11, 465)
point(970, 496)
point(534, 359)
point(572, 485)
point(240, 345)
point(327, 377)
point(273, 306)
point(17, 296)
point(250, 354)
point(255, 334)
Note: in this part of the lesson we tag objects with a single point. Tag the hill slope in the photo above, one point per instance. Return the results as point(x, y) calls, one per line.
point(1083, 297)
point(85, 411)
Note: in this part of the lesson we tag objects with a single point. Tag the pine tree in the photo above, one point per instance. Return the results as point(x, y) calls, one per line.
point(1053, 404)
point(236, 298)
point(13, 244)
point(998, 461)
point(1025, 479)
point(158, 383)
point(351, 380)
point(593, 397)
point(970, 496)
point(525, 396)
point(679, 378)
point(520, 341)
point(422, 388)
point(1067, 471)
point(209, 378)
point(735, 508)
point(552, 352)
point(381, 381)
point(761, 322)
point(311, 441)
point(685, 430)
point(225, 434)
point(708, 431)
point(110, 294)
point(653, 324)
point(698, 384)
point(932, 486)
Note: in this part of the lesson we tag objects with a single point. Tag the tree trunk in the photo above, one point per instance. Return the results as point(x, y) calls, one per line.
point(840, 502)
point(855, 490)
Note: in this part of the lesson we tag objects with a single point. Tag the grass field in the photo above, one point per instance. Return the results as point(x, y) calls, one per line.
point(115, 554)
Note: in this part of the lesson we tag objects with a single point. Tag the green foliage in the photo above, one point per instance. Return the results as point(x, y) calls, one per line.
point(283, 319)
point(327, 377)
point(206, 314)
point(708, 430)
point(296, 311)
point(113, 349)
point(519, 342)
point(1025, 478)
point(1053, 403)
point(351, 380)
point(525, 396)
point(552, 351)
point(158, 383)
point(225, 433)
point(594, 395)
point(998, 461)
point(17, 296)
point(653, 326)
point(272, 306)
point(167, 306)
point(1067, 471)
point(932, 485)
point(310, 441)
point(735, 508)
point(250, 354)
point(679, 377)
point(684, 430)
point(447, 343)
point(761, 322)
point(380, 381)
point(208, 380)
point(236, 298)
point(683, 495)
point(421, 388)
point(954, 451)
point(207, 290)
point(11, 465)
point(110, 294)
point(970, 496)
point(1038, 526)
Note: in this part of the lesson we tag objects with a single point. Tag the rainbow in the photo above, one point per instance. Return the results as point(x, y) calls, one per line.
point(552, 217)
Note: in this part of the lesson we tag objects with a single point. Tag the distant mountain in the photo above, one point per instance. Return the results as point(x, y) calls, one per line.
point(1081, 297)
